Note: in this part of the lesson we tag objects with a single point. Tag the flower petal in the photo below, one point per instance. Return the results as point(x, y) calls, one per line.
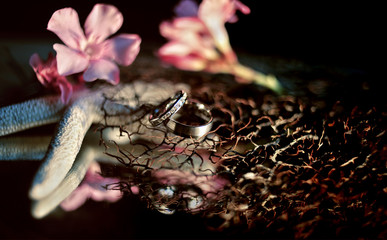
point(220, 10)
point(77, 198)
point(66, 90)
point(123, 48)
point(214, 13)
point(102, 69)
point(69, 61)
point(186, 57)
point(103, 21)
point(242, 7)
point(179, 28)
point(36, 63)
point(102, 194)
point(190, 63)
point(175, 48)
point(184, 62)
point(65, 24)
point(186, 8)
point(190, 31)
point(193, 46)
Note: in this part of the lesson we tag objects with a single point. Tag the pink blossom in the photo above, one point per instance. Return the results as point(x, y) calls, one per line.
point(212, 11)
point(199, 190)
point(198, 39)
point(92, 187)
point(210, 184)
point(90, 51)
point(186, 8)
point(48, 76)
point(214, 14)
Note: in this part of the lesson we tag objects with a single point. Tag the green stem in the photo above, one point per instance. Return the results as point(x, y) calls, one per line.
point(269, 81)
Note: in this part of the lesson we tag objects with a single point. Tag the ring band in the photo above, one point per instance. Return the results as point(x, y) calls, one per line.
point(193, 120)
point(167, 108)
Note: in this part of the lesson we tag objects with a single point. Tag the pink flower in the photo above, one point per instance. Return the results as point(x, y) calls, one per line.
point(211, 186)
point(208, 184)
point(198, 41)
point(92, 187)
point(214, 14)
point(91, 51)
point(48, 76)
point(198, 37)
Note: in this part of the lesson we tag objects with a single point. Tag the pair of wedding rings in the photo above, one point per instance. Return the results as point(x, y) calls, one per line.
point(182, 116)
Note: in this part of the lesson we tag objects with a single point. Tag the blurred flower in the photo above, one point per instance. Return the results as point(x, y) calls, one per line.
point(166, 198)
point(92, 187)
point(198, 41)
point(91, 51)
point(47, 74)
point(210, 186)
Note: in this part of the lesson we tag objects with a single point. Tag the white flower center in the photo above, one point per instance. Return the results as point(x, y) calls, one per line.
point(94, 51)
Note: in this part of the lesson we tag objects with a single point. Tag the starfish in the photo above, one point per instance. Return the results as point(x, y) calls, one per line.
point(67, 156)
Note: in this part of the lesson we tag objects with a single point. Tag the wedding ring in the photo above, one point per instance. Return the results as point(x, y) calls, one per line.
point(194, 119)
point(167, 108)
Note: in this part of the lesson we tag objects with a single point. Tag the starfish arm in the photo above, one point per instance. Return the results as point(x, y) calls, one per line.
point(29, 114)
point(90, 151)
point(63, 148)
point(23, 148)
point(92, 107)
point(42, 207)
point(121, 101)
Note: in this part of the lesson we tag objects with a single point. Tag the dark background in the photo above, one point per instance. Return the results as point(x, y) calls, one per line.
point(343, 33)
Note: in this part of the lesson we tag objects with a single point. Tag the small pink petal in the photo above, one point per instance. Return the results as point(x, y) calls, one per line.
point(65, 24)
point(103, 21)
point(189, 23)
point(166, 30)
point(188, 63)
point(220, 36)
point(106, 195)
point(181, 27)
point(234, 5)
point(213, 14)
point(190, 31)
point(77, 198)
point(214, 9)
point(93, 172)
point(69, 61)
point(66, 90)
point(242, 7)
point(175, 48)
point(35, 61)
point(123, 48)
point(135, 189)
point(222, 10)
point(186, 8)
point(207, 184)
point(191, 46)
point(102, 69)
point(219, 10)
point(92, 187)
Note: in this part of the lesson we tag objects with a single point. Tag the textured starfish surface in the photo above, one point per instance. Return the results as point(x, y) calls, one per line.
point(73, 148)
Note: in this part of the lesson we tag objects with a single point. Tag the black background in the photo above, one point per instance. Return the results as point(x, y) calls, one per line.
point(346, 34)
